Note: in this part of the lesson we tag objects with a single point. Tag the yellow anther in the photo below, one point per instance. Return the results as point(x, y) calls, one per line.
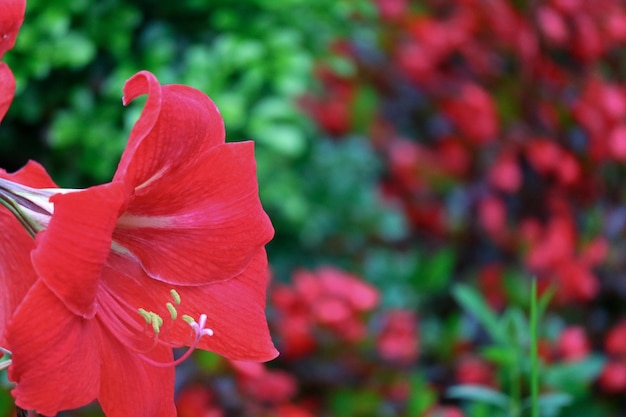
point(172, 310)
point(146, 315)
point(175, 296)
point(188, 319)
point(157, 322)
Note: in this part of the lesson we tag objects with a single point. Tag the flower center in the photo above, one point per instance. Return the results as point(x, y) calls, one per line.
point(156, 322)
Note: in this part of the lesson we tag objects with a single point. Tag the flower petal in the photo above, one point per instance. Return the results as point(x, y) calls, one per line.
point(32, 174)
point(236, 313)
point(16, 271)
point(131, 386)
point(202, 224)
point(71, 252)
point(7, 89)
point(55, 355)
point(178, 125)
point(235, 308)
point(11, 18)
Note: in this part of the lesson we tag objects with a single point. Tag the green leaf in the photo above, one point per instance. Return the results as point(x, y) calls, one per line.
point(544, 300)
point(504, 356)
point(282, 137)
point(422, 396)
point(552, 401)
point(480, 394)
point(348, 403)
point(208, 361)
point(517, 326)
point(574, 377)
point(471, 301)
point(437, 271)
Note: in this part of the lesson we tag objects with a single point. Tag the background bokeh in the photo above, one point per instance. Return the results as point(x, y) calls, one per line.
point(421, 161)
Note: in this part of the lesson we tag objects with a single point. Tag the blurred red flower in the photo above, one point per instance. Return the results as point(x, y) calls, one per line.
point(615, 342)
point(398, 340)
point(474, 114)
point(327, 298)
point(263, 384)
point(613, 377)
point(444, 411)
point(291, 410)
point(197, 401)
point(476, 371)
point(573, 344)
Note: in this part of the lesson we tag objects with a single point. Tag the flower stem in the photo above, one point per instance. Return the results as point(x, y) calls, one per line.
point(534, 358)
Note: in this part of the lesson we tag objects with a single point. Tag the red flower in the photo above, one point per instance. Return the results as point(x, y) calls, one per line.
point(399, 338)
point(615, 342)
point(473, 112)
point(474, 370)
point(11, 18)
point(573, 344)
point(180, 231)
point(291, 410)
point(613, 377)
point(265, 385)
point(17, 274)
point(505, 174)
point(197, 401)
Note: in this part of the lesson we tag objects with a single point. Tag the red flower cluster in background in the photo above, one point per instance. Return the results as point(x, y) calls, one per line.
point(325, 300)
point(398, 340)
point(502, 129)
point(506, 105)
point(613, 377)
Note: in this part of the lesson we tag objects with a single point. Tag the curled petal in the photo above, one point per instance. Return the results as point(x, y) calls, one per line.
point(55, 355)
point(71, 253)
point(203, 224)
point(177, 126)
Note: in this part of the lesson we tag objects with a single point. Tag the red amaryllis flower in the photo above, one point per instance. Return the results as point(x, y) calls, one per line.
point(11, 18)
point(16, 272)
point(170, 253)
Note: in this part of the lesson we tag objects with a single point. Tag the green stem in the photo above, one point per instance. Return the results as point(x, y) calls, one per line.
point(534, 357)
point(13, 207)
point(516, 392)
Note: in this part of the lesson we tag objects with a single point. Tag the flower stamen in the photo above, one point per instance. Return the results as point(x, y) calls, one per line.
point(5, 363)
point(198, 329)
point(172, 310)
point(175, 296)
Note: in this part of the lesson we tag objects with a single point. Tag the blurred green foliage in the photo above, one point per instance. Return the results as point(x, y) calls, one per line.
point(72, 58)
